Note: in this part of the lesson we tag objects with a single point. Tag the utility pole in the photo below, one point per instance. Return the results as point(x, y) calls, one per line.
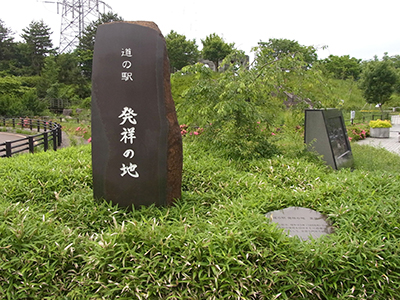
point(75, 16)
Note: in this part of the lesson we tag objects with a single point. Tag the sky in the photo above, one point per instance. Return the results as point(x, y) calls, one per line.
point(359, 28)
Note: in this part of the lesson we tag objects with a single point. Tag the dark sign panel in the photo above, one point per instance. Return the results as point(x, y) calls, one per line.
point(136, 142)
point(325, 132)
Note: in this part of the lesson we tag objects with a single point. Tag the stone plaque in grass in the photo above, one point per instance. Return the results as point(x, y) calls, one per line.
point(136, 140)
point(301, 222)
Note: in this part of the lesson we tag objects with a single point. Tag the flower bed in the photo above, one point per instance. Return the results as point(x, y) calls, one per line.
point(358, 132)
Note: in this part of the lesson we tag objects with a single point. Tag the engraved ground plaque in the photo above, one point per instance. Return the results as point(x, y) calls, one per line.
point(301, 222)
point(136, 140)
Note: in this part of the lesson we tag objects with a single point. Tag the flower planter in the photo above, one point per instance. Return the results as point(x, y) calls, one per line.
point(379, 132)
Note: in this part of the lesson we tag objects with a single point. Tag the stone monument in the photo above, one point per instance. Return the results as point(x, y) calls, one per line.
point(301, 222)
point(136, 140)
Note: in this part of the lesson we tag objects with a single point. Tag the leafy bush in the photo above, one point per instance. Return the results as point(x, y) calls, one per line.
point(357, 132)
point(17, 100)
point(228, 107)
point(56, 242)
point(380, 124)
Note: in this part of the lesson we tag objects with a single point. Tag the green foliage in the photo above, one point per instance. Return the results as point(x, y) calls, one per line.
point(80, 130)
point(277, 48)
point(378, 81)
point(215, 49)
point(37, 38)
point(380, 124)
point(11, 85)
point(289, 135)
point(342, 67)
point(372, 159)
point(347, 94)
point(228, 107)
point(180, 83)
point(6, 46)
point(290, 74)
point(181, 52)
point(17, 99)
point(86, 42)
point(62, 79)
point(56, 242)
point(20, 63)
point(27, 104)
point(357, 132)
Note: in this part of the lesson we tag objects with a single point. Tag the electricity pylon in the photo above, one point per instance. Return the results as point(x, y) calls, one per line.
point(75, 16)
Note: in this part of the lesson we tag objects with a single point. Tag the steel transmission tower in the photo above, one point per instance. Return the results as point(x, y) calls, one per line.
point(75, 16)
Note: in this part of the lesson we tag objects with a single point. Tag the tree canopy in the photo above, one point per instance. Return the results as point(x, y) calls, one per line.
point(343, 67)
point(37, 38)
point(378, 81)
point(86, 41)
point(215, 49)
point(181, 52)
point(283, 47)
point(6, 45)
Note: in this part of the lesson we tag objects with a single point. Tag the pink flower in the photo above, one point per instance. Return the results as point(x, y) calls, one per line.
point(89, 140)
point(273, 133)
point(195, 133)
point(350, 138)
point(258, 122)
point(77, 129)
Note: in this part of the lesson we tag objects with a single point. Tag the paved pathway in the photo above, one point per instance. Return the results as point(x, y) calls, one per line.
point(392, 143)
point(8, 136)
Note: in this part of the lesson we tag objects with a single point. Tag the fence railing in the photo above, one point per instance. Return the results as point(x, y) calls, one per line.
point(361, 117)
point(50, 137)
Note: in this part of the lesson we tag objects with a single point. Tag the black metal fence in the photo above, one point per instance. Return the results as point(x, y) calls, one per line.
point(50, 137)
point(366, 117)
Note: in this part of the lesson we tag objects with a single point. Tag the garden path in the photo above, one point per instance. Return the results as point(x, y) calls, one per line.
point(7, 136)
point(392, 143)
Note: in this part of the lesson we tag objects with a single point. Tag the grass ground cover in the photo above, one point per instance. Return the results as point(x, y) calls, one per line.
point(56, 242)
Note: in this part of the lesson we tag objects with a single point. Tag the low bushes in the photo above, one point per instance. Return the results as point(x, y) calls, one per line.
point(56, 242)
point(380, 124)
point(357, 132)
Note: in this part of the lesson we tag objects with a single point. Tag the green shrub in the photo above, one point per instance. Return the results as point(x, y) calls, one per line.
point(380, 124)
point(357, 132)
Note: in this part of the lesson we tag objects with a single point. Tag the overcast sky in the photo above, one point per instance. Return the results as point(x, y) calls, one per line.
point(359, 28)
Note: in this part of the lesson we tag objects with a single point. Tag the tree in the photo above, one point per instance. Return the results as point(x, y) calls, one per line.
point(181, 52)
point(378, 81)
point(238, 107)
point(342, 67)
point(20, 64)
point(6, 46)
point(86, 42)
point(215, 49)
point(37, 37)
point(395, 60)
point(284, 47)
